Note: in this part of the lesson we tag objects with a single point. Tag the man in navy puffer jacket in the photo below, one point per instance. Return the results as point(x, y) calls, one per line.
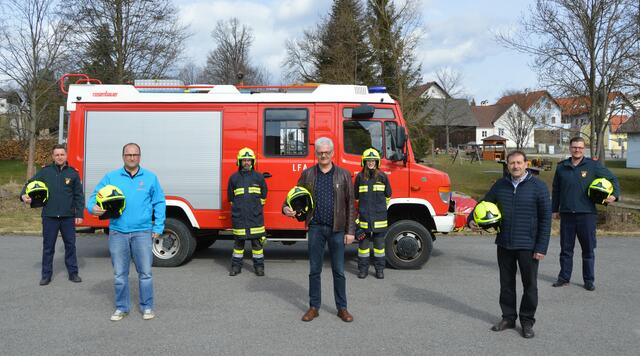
point(522, 241)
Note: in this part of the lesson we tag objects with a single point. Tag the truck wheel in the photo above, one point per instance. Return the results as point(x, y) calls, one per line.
point(175, 246)
point(408, 245)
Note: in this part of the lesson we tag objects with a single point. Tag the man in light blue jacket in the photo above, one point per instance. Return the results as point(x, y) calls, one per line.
point(131, 234)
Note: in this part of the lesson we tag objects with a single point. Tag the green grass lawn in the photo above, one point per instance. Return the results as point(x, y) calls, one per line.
point(475, 179)
point(12, 171)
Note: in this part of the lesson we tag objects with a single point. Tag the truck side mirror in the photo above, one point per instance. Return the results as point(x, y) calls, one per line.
point(363, 111)
point(401, 137)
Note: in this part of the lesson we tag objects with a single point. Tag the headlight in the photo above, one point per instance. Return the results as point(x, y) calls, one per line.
point(445, 194)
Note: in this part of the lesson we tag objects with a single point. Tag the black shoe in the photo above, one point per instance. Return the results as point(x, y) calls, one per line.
point(589, 286)
point(379, 274)
point(527, 331)
point(503, 325)
point(560, 283)
point(259, 271)
point(75, 278)
point(363, 274)
point(45, 281)
point(235, 270)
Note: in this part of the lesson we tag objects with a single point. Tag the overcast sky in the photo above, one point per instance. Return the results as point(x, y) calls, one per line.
point(459, 34)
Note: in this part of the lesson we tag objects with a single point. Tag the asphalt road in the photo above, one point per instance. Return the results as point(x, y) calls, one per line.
point(445, 308)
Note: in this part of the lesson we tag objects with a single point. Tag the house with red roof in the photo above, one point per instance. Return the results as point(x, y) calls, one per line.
point(504, 120)
point(547, 114)
point(576, 111)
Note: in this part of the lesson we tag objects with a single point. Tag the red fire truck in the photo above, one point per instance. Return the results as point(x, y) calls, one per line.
point(190, 136)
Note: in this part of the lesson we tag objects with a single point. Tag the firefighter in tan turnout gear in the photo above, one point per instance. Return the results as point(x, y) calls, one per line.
point(247, 192)
point(373, 191)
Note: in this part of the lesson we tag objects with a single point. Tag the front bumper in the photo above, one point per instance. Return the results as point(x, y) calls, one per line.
point(444, 223)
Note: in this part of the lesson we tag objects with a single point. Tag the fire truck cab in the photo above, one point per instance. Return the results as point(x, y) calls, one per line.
point(190, 136)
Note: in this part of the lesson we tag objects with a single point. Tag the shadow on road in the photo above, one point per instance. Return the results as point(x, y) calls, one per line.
point(443, 301)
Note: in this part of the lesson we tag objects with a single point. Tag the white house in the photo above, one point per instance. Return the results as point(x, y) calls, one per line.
point(500, 120)
point(432, 90)
point(546, 112)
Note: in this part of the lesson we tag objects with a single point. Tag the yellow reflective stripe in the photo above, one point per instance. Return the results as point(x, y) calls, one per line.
point(388, 200)
point(378, 252)
point(238, 252)
point(363, 189)
point(238, 191)
point(378, 187)
point(258, 252)
point(380, 224)
point(240, 232)
point(364, 224)
point(364, 251)
point(263, 201)
point(254, 190)
point(257, 230)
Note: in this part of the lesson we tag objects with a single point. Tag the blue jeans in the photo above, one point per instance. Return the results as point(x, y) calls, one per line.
point(584, 227)
point(319, 235)
point(123, 247)
point(50, 228)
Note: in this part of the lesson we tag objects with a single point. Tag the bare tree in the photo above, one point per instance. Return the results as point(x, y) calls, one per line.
point(519, 126)
point(582, 47)
point(31, 49)
point(191, 73)
point(146, 36)
point(448, 113)
point(231, 55)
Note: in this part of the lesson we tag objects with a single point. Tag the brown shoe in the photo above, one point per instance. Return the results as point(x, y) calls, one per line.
point(311, 314)
point(345, 316)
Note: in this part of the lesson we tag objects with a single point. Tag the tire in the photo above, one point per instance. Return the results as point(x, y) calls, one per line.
point(175, 246)
point(408, 245)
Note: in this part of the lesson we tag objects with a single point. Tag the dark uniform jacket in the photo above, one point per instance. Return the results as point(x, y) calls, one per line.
point(66, 198)
point(247, 192)
point(372, 195)
point(526, 214)
point(571, 184)
point(344, 210)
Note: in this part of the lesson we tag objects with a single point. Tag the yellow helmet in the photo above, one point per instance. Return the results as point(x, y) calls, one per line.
point(487, 215)
point(299, 200)
point(246, 153)
point(370, 153)
point(38, 192)
point(111, 199)
point(599, 190)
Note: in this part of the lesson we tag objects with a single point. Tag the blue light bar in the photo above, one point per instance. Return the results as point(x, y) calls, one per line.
point(377, 90)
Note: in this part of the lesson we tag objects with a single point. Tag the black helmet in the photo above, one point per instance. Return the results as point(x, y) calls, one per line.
point(111, 199)
point(299, 200)
point(38, 192)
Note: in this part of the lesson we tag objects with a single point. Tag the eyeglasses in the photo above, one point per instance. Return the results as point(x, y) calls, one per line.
point(328, 153)
point(131, 155)
point(577, 148)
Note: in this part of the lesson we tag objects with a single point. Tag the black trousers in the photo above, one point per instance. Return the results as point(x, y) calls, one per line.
point(67, 228)
point(508, 262)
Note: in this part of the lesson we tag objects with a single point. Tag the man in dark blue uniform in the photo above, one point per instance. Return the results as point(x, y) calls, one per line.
point(247, 193)
point(577, 213)
point(63, 209)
